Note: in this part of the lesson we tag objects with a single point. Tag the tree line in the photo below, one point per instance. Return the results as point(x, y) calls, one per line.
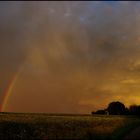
point(118, 108)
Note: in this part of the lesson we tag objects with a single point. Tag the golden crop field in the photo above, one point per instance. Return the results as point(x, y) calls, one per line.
point(52, 126)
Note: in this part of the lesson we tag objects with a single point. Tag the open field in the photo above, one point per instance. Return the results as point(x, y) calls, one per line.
point(53, 126)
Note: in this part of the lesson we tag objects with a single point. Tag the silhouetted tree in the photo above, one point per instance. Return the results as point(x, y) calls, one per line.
point(116, 108)
point(93, 112)
point(100, 112)
point(134, 110)
point(127, 111)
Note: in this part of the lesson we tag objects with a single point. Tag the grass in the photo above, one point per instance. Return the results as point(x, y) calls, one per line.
point(58, 126)
point(128, 126)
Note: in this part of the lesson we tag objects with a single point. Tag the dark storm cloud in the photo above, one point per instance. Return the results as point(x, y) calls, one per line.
point(75, 53)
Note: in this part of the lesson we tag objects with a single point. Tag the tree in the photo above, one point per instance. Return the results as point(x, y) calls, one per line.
point(127, 111)
point(116, 108)
point(134, 110)
point(101, 112)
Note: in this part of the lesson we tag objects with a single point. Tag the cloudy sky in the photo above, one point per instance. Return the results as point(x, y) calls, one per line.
point(69, 57)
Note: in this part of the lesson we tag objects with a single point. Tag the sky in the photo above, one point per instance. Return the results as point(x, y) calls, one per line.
point(69, 57)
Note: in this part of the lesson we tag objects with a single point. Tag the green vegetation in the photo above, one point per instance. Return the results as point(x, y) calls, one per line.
point(43, 126)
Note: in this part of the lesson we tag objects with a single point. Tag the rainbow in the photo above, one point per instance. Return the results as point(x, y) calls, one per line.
point(8, 91)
